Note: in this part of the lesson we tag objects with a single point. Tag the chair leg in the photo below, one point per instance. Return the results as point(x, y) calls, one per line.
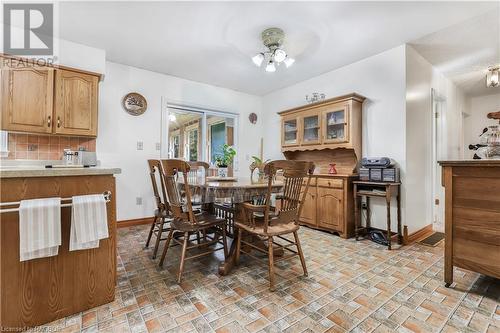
point(238, 247)
point(271, 263)
point(301, 254)
point(158, 237)
point(224, 240)
point(151, 231)
point(183, 256)
point(167, 244)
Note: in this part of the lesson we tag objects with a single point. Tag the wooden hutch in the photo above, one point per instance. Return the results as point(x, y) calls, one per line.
point(326, 132)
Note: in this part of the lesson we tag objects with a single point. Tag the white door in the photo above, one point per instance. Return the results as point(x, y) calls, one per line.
point(438, 153)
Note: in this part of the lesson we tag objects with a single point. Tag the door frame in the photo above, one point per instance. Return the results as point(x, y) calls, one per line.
point(438, 152)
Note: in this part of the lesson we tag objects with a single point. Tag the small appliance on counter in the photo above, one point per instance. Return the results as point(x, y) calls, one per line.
point(380, 169)
point(76, 159)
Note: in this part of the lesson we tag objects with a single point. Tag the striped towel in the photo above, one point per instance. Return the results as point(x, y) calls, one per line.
point(89, 222)
point(39, 228)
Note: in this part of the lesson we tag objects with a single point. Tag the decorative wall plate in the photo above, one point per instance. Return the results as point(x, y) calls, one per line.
point(135, 104)
point(253, 118)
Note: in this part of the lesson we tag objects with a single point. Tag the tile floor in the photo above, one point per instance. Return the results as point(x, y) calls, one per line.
point(352, 287)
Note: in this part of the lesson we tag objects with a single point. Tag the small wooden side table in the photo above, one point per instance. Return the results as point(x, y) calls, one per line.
point(376, 189)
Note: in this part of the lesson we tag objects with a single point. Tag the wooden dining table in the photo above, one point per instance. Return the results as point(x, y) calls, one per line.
point(233, 193)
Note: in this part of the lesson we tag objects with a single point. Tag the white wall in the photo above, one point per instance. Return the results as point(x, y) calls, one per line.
point(119, 132)
point(477, 109)
point(380, 78)
point(421, 77)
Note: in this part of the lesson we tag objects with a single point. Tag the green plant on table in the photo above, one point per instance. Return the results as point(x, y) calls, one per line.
point(227, 157)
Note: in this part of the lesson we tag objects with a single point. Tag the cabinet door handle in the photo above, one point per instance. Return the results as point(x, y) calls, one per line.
point(58, 121)
point(49, 121)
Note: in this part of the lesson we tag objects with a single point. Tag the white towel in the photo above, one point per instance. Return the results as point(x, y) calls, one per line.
point(39, 228)
point(89, 222)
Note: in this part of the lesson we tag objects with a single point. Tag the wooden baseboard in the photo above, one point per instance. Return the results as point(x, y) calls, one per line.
point(132, 222)
point(417, 235)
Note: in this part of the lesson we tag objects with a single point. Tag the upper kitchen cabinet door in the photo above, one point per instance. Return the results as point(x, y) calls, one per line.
point(76, 103)
point(27, 97)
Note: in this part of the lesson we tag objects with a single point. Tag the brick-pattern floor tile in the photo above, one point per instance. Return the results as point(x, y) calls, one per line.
point(352, 287)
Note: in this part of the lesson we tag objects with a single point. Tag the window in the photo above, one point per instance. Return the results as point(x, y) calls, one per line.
point(197, 135)
point(174, 145)
point(217, 138)
point(192, 144)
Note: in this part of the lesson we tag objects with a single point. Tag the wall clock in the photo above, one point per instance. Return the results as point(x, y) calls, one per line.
point(253, 118)
point(134, 103)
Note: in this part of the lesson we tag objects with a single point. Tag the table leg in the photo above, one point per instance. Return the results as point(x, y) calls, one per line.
point(400, 231)
point(388, 202)
point(357, 221)
point(368, 214)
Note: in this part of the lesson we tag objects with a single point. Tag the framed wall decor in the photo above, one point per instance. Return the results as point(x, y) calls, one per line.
point(134, 103)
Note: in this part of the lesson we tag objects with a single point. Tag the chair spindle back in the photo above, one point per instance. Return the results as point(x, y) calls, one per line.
point(294, 173)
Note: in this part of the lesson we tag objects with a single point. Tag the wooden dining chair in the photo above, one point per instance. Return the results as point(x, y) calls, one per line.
point(161, 213)
point(269, 224)
point(185, 220)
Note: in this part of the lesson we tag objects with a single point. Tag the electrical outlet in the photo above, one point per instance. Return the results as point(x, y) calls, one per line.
point(158, 146)
point(140, 145)
point(138, 201)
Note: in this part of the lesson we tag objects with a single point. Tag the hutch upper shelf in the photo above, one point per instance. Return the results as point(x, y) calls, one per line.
point(333, 123)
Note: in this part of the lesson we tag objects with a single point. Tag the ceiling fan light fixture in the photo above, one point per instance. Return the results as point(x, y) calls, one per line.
point(493, 77)
point(289, 61)
point(273, 39)
point(279, 55)
point(258, 59)
point(270, 67)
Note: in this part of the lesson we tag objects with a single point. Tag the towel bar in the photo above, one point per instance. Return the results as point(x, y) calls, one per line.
point(107, 196)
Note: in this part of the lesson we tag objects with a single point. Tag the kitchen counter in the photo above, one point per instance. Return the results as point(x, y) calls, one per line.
point(472, 217)
point(46, 289)
point(470, 163)
point(24, 171)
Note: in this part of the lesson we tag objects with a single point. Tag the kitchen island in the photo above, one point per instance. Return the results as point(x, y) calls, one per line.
point(472, 216)
point(42, 290)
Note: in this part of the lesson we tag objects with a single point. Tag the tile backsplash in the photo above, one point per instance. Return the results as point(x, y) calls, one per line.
point(45, 147)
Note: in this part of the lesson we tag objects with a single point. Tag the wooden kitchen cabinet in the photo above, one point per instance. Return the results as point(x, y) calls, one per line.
point(45, 100)
point(308, 214)
point(27, 96)
point(328, 205)
point(75, 107)
point(331, 208)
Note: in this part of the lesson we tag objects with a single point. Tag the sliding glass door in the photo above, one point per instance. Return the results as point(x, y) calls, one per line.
point(195, 134)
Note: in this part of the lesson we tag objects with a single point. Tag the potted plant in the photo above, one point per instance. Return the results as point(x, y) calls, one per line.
point(225, 160)
point(258, 164)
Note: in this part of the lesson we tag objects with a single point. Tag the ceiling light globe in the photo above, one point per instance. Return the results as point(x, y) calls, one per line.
point(270, 67)
point(279, 55)
point(258, 59)
point(289, 62)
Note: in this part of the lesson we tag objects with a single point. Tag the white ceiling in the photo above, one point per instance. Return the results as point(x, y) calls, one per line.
point(463, 52)
point(213, 42)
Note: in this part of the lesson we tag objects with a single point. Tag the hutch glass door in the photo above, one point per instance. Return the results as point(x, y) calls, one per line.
point(290, 132)
point(311, 129)
point(336, 125)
